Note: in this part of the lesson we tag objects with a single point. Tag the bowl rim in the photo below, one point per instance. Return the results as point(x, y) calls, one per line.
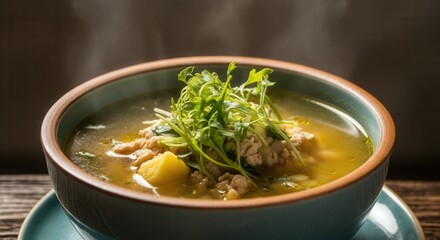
point(55, 154)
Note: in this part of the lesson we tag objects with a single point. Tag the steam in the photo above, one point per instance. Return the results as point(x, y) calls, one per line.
point(115, 34)
point(310, 40)
point(108, 37)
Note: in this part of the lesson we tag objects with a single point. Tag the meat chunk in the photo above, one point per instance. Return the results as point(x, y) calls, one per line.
point(199, 180)
point(129, 147)
point(241, 184)
point(144, 148)
point(233, 186)
point(249, 150)
point(303, 141)
point(154, 145)
point(146, 132)
point(214, 169)
point(143, 156)
point(274, 155)
point(279, 150)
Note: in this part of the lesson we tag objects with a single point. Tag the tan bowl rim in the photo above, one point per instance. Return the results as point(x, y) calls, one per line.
point(55, 154)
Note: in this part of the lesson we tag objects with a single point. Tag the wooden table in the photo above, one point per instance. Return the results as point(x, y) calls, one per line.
point(19, 193)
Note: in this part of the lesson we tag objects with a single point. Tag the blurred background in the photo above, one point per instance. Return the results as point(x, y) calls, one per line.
point(390, 48)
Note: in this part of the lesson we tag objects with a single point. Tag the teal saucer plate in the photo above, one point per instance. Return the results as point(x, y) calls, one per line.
point(390, 218)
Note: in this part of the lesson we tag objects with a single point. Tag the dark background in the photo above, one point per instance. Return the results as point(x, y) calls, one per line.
point(390, 48)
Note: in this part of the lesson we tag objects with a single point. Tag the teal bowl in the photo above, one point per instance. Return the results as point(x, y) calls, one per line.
point(100, 210)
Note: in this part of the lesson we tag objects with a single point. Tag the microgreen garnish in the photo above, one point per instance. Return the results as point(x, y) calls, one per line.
point(210, 113)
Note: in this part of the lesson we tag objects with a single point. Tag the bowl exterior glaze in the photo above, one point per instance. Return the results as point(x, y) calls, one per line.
point(100, 210)
point(100, 215)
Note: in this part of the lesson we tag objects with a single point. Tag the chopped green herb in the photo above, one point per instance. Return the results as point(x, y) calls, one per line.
point(283, 179)
point(164, 130)
point(115, 142)
point(86, 154)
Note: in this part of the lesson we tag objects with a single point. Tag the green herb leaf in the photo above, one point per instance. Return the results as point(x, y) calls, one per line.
point(185, 73)
point(164, 130)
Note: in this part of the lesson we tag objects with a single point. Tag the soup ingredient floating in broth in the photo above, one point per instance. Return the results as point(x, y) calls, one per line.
point(165, 168)
point(223, 139)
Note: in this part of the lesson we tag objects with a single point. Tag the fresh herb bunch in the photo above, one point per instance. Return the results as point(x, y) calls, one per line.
point(210, 115)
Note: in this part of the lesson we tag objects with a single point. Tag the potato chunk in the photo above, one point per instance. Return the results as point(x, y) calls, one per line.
point(163, 169)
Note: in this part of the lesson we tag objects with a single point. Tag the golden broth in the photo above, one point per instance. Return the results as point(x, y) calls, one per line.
point(341, 145)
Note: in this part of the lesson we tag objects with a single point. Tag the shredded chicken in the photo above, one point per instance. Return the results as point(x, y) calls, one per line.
point(143, 156)
point(144, 148)
point(129, 147)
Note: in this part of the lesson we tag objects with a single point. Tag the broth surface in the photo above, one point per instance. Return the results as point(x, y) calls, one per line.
point(341, 146)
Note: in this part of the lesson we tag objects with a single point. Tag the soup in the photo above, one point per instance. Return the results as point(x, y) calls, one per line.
point(293, 143)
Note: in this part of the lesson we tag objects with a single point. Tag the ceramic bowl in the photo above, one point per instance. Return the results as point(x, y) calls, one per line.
point(101, 210)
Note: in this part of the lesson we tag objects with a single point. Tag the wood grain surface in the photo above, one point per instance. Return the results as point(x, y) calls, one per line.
point(19, 193)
